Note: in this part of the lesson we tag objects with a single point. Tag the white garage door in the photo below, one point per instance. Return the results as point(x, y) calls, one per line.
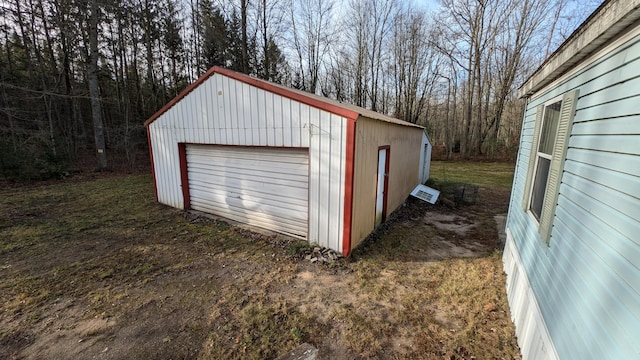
point(260, 186)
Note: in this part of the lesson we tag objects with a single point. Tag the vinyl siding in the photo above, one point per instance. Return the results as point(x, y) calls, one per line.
point(587, 281)
point(404, 150)
point(225, 111)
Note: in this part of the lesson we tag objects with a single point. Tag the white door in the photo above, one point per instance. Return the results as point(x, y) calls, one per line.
point(426, 161)
point(260, 186)
point(381, 195)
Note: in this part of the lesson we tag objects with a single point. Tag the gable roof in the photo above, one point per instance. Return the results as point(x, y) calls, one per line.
point(333, 106)
point(610, 19)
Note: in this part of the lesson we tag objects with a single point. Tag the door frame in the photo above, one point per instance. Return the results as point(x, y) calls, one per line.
point(385, 188)
point(184, 176)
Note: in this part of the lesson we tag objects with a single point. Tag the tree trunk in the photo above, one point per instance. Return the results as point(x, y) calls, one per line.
point(149, 39)
point(265, 40)
point(447, 123)
point(245, 45)
point(94, 93)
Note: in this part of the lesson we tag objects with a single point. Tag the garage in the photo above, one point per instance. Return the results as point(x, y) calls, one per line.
point(260, 186)
point(282, 159)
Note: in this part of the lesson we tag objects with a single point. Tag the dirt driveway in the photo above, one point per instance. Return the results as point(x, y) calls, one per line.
point(97, 270)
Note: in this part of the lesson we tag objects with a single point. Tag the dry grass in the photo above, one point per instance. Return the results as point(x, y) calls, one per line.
point(97, 268)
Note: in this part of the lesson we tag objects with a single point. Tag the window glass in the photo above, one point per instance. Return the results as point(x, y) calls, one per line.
point(539, 186)
point(549, 128)
point(547, 140)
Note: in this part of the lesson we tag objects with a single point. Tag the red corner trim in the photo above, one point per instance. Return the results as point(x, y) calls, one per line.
point(348, 186)
point(300, 96)
point(184, 179)
point(153, 169)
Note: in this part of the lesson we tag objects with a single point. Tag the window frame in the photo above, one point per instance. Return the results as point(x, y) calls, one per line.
point(538, 154)
point(556, 166)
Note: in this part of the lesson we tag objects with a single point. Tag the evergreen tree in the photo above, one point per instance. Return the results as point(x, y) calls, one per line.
point(214, 34)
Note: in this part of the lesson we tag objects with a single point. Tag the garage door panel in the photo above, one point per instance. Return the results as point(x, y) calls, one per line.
point(263, 151)
point(253, 217)
point(260, 185)
point(286, 210)
point(244, 166)
point(252, 195)
point(252, 188)
point(254, 170)
point(260, 217)
point(274, 155)
point(286, 226)
point(253, 179)
point(248, 175)
point(264, 187)
point(253, 159)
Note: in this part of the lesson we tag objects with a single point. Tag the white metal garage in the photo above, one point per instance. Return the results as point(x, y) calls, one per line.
point(281, 159)
point(260, 186)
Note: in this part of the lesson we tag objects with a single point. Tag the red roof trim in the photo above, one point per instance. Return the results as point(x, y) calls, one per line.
point(259, 84)
point(182, 94)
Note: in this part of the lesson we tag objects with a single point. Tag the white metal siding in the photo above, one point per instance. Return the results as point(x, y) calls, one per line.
point(531, 331)
point(225, 111)
point(260, 186)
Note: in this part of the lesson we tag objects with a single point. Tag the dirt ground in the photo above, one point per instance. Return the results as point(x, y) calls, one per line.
point(97, 270)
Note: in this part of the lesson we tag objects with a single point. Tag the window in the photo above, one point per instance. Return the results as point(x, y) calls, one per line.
point(548, 151)
point(543, 157)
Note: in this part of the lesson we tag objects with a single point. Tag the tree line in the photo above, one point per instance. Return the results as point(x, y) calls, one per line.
point(79, 77)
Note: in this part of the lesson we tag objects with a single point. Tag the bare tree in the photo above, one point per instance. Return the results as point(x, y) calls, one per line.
point(245, 38)
point(382, 13)
point(415, 65)
point(455, 70)
point(463, 27)
point(312, 32)
point(92, 76)
point(354, 56)
point(271, 24)
point(487, 40)
point(525, 19)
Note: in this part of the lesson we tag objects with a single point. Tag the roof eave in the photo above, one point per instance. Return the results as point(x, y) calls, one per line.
point(609, 20)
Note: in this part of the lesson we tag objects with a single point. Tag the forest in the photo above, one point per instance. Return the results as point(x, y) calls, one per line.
point(78, 78)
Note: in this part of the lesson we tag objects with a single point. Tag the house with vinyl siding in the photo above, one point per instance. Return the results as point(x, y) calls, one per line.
point(572, 255)
point(283, 160)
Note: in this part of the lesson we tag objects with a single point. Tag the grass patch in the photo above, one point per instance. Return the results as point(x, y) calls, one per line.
point(101, 258)
point(499, 175)
point(298, 248)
